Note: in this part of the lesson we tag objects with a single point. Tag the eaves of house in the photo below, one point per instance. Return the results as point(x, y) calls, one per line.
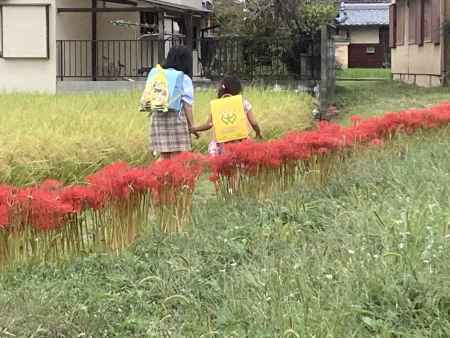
point(185, 5)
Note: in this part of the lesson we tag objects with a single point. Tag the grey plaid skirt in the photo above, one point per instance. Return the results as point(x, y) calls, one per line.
point(169, 132)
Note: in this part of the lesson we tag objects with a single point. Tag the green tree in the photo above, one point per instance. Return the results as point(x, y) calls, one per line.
point(289, 25)
point(273, 17)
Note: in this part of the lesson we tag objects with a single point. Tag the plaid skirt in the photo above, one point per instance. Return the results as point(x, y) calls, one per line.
point(169, 132)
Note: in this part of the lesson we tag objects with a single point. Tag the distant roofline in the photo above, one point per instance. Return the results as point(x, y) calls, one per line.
point(365, 6)
point(169, 5)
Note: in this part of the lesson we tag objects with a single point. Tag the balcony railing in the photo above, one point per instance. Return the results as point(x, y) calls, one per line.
point(110, 59)
point(250, 59)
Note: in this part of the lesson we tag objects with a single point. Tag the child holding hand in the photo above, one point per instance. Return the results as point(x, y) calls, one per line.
point(229, 86)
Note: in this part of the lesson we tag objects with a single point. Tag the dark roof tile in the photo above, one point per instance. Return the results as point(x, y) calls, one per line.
point(364, 14)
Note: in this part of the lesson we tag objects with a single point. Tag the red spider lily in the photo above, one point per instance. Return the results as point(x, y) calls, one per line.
point(41, 209)
point(376, 142)
point(47, 211)
point(4, 216)
point(81, 198)
point(138, 179)
point(5, 194)
point(111, 181)
point(180, 172)
point(355, 119)
point(51, 185)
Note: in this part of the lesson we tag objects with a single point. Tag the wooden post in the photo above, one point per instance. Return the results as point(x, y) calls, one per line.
point(189, 31)
point(332, 62)
point(162, 42)
point(189, 34)
point(94, 42)
point(324, 71)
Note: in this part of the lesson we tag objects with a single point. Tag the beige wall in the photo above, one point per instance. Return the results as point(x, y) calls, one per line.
point(342, 54)
point(419, 65)
point(73, 26)
point(31, 74)
point(365, 35)
point(77, 26)
point(107, 31)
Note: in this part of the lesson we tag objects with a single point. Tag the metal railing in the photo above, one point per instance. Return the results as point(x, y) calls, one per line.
point(263, 58)
point(251, 59)
point(110, 59)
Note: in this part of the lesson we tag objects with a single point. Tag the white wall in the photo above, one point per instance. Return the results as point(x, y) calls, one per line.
point(365, 35)
point(31, 74)
point(342, 54)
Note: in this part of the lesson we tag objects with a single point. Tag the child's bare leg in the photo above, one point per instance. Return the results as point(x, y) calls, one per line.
point(166, 156)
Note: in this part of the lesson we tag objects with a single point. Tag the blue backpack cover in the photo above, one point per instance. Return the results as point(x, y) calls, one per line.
point(163, 90)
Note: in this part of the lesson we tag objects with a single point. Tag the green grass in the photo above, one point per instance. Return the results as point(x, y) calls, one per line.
point(375, 98)
point(69, 136)
point(366, 256)
point(360, 73)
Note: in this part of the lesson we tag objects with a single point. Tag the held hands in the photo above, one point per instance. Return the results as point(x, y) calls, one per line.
point(194, 132)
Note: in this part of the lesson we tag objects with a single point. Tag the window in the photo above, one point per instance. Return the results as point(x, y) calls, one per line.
point(400, 30)
point(150, 19)
point(370, 50)
point(24, 31)
point(427, 21)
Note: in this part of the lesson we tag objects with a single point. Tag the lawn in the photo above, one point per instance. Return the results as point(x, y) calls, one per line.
point(375, 98)
point(364, 256)
point(361, 73)
point(69, 136)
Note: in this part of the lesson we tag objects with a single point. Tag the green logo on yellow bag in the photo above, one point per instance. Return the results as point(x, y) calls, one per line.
point(228, 118)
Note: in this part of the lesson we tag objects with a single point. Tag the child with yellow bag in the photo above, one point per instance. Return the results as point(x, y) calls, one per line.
point(231, 116)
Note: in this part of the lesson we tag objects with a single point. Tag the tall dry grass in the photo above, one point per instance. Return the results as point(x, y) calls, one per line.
point(69, 136)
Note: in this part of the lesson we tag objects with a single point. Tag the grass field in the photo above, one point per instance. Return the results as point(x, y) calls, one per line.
point(366, 256)
point(69, 136)
point(374, 98)
point(359, 73)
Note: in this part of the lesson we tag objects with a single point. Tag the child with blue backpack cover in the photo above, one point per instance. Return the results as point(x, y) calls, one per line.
point(168, 97)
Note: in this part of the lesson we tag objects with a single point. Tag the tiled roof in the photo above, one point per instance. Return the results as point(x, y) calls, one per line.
point(364, 14)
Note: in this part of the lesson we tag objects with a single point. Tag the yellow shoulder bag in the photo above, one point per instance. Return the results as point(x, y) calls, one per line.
point(229, 119)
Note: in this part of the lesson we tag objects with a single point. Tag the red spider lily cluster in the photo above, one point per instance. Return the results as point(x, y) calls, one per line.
point(50, 220)
point(113, 207)
point(256, 169)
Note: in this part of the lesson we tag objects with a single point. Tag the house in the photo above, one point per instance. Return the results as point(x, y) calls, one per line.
point(419, 47)
point(363, 34)
point(48, 44)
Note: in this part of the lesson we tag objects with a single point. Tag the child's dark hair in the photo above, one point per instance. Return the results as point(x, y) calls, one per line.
point(180, 58)
point(230, 85)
